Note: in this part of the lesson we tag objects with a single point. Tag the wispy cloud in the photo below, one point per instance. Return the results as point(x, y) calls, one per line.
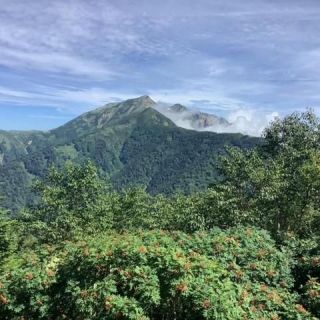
point(54, 62)
point(255, 54)
point(74, 101)
point(46, 116)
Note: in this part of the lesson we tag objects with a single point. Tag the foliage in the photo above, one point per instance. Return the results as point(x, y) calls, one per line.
point(71, 201)
point(134, 208)
point(9, 236)
point(130, 142)
point(276, 185)
point(236, 274)
point(311, 296)
point(306, 271)
point(4, 234)
point(86, 251)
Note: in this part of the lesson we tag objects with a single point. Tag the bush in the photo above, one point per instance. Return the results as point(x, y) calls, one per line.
point(233, 274)
point(306, 271)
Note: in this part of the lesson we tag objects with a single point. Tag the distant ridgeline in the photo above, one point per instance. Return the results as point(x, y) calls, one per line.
point(131, 143)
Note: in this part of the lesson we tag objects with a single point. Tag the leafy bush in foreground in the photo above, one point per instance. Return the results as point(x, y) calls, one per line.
point(233, 274)
point(306, 271)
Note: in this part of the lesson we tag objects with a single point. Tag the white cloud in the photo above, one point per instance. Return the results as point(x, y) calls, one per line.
point(70, 100)
point(74, 37)
point(308, 63)
point(54, 62)
point(249, 121)
point(232, 54)
point(193, 98)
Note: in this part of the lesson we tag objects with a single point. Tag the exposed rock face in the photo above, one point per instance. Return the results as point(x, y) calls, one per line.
point(197, 120)
point(202, 120)
point(178, 108)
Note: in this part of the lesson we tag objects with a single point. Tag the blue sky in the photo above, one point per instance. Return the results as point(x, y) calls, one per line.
point(61, 58)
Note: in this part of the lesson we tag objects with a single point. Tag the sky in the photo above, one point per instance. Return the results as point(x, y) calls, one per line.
point(61, 58)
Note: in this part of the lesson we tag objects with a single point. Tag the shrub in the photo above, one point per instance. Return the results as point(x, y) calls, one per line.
point(155, 275)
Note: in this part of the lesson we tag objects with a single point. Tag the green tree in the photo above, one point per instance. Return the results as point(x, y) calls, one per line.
point(72, 201)
point(9, 236)
point(4, 237)
point(134, 208)
point(276, 185)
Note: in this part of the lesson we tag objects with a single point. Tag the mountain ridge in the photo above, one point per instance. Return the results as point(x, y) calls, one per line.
point(181, 115)
point(130, 142)
point(193, 119)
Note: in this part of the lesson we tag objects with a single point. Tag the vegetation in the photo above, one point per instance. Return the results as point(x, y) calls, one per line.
point(248, 247)
point(232, 274)
point(276, 185)
point(131, 144)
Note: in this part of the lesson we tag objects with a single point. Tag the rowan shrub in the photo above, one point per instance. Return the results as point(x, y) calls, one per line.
point(155, 275)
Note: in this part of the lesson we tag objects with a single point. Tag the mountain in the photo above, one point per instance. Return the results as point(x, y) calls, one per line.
point(201, 120)
point(192, 119)
point(178, 108)
point(131, 142)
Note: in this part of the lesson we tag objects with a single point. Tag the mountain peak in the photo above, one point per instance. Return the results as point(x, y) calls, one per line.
point(135, 105)
point(192, 118)
point(143, 100)
point(178, 108)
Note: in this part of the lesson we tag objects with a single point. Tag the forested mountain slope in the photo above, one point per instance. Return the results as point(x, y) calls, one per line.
point(131, 143)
